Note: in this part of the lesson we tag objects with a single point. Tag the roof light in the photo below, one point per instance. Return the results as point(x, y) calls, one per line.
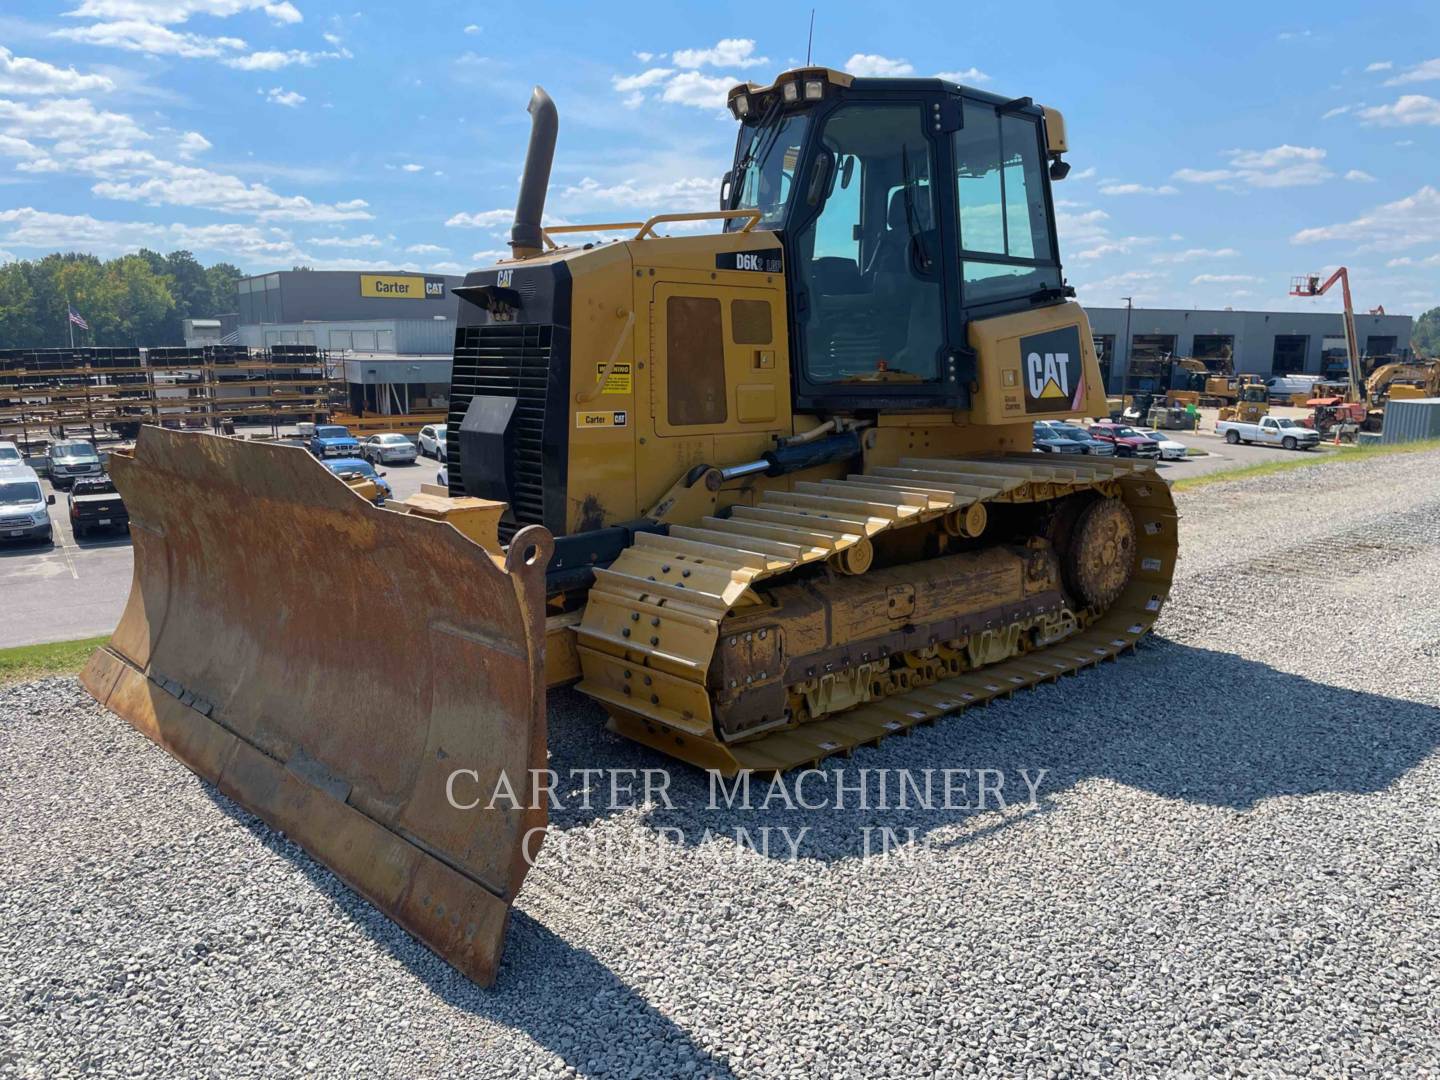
point(792, 92)
point(741, 105)
point(814, 89)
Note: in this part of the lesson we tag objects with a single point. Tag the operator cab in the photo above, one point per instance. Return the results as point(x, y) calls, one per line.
point(905, 209)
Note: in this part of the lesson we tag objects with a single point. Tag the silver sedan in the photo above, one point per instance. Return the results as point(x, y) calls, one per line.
point(387, 448)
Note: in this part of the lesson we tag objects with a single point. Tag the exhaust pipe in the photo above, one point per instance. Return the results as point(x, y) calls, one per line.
point(525, 236)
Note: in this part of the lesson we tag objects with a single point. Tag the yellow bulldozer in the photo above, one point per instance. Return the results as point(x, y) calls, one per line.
point(766, 493)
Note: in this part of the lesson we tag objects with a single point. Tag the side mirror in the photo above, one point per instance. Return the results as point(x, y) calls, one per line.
point(725, 182)
point(49, 500)
point(820, 179)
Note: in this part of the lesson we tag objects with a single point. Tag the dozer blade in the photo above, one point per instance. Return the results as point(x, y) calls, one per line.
point(331, 666)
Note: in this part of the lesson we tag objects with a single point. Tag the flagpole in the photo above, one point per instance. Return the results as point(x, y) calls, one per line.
point(69, 321)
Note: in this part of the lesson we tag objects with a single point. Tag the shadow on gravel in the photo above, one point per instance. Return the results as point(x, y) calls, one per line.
point(1184, 723)
point(562, 996)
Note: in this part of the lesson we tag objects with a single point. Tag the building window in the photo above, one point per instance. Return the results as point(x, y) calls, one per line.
point(1380, 345)
point(1289, 355)
point(1217, 350)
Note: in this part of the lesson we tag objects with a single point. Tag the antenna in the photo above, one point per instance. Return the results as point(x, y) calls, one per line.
point(809, 41)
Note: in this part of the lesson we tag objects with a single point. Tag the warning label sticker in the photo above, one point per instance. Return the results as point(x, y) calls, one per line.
point(602, 419)
point(618, 381)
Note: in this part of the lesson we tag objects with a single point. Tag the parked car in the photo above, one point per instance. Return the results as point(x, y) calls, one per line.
point(386, 448)
point(1170, 450)
point(443, 477)
point(1272, 431)
point(333, 440)
point(1076, 433)
point(24, 513)
point(354, 471)
point(1127, 441)
point(432, 441)
point(95, 504)
point(70, 459)
point(1047, 440)
point(10, 456)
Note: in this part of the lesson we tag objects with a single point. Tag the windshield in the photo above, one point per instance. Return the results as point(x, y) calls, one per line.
point(97, 486)
point(1066, 431)
point(9, 455)
point(75, 450)
point(1045, 433)
point(19, 494)
point(331, 433)
point(765, 161)
point(392, 440)
point(1285, 421)
point(1126, 433)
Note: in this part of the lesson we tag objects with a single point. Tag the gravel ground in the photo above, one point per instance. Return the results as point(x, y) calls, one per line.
point(1231, 866)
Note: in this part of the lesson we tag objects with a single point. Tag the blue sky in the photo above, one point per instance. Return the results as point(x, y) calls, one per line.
point(1217, 149)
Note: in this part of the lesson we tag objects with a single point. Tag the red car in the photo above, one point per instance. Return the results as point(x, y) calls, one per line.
point(1127, 441)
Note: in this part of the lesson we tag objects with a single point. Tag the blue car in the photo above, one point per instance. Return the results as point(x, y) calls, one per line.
point(354, 466)
point(333, 440)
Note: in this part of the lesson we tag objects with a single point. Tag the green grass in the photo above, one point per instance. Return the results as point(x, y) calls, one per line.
point(1301, 460)
point(36, 661)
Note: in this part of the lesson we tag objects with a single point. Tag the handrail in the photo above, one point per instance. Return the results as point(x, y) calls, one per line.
point(611, 226)
point(701, 215)
point(604, 374)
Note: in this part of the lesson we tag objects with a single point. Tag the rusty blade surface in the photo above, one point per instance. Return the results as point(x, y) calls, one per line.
point(331, 665)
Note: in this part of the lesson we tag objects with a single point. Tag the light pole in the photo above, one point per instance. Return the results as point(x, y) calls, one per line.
point(1125, 371)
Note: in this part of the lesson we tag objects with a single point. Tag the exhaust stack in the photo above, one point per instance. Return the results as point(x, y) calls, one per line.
point(525, 237)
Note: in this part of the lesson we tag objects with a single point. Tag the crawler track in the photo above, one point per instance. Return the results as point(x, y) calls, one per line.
point(653, 618)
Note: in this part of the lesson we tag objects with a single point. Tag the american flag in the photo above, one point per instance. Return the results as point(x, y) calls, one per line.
point(77, 320)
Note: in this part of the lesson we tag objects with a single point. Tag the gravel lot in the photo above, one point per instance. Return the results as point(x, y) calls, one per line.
point(1232, 867)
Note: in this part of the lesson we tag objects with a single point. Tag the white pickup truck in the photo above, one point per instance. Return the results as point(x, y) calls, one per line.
point(1272, 431)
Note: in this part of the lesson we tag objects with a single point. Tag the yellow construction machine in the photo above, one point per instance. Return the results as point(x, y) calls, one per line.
point(767, 493)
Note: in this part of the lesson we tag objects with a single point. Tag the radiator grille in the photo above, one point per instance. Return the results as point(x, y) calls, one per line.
point(505, 360)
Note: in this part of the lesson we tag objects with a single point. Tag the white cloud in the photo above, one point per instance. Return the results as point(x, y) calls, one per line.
point(701, 91)
point(1406, 260)
point(1278, 167)
point(28, 227)
point(1084, 228)
point(1191, 254)
point(1125, 245)
point(14, 146)
point(192, 143)
point(369, 240)
point(1292, 35)
point(1429, 71)
point(626, 83)
point(633, 101)
point(1409, 222)
point(1137, 189)
point(26, 75)
point(289, 98)
point(1083, 174)
point(1339, 110)
point(74, 123)
point(135, 35)
point(1380, 65)
point(1408, 109)
point(274, 59)
point(731, 52)
point(410, 166)
point(864, 65)
point(485, 258)
point(178, 11)
point(492, 220)
point(1360, 175)
point(426, 249)
point(971, 76)
point(646, 57)
point(472, 29)
point(1222, 279)
point(688, 193)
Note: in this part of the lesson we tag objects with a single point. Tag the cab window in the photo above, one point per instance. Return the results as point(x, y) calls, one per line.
point(1005, 243)
point(868, 258)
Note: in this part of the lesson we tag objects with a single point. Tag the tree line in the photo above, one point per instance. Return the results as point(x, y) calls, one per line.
point(132, 300)
point(1425, 337)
